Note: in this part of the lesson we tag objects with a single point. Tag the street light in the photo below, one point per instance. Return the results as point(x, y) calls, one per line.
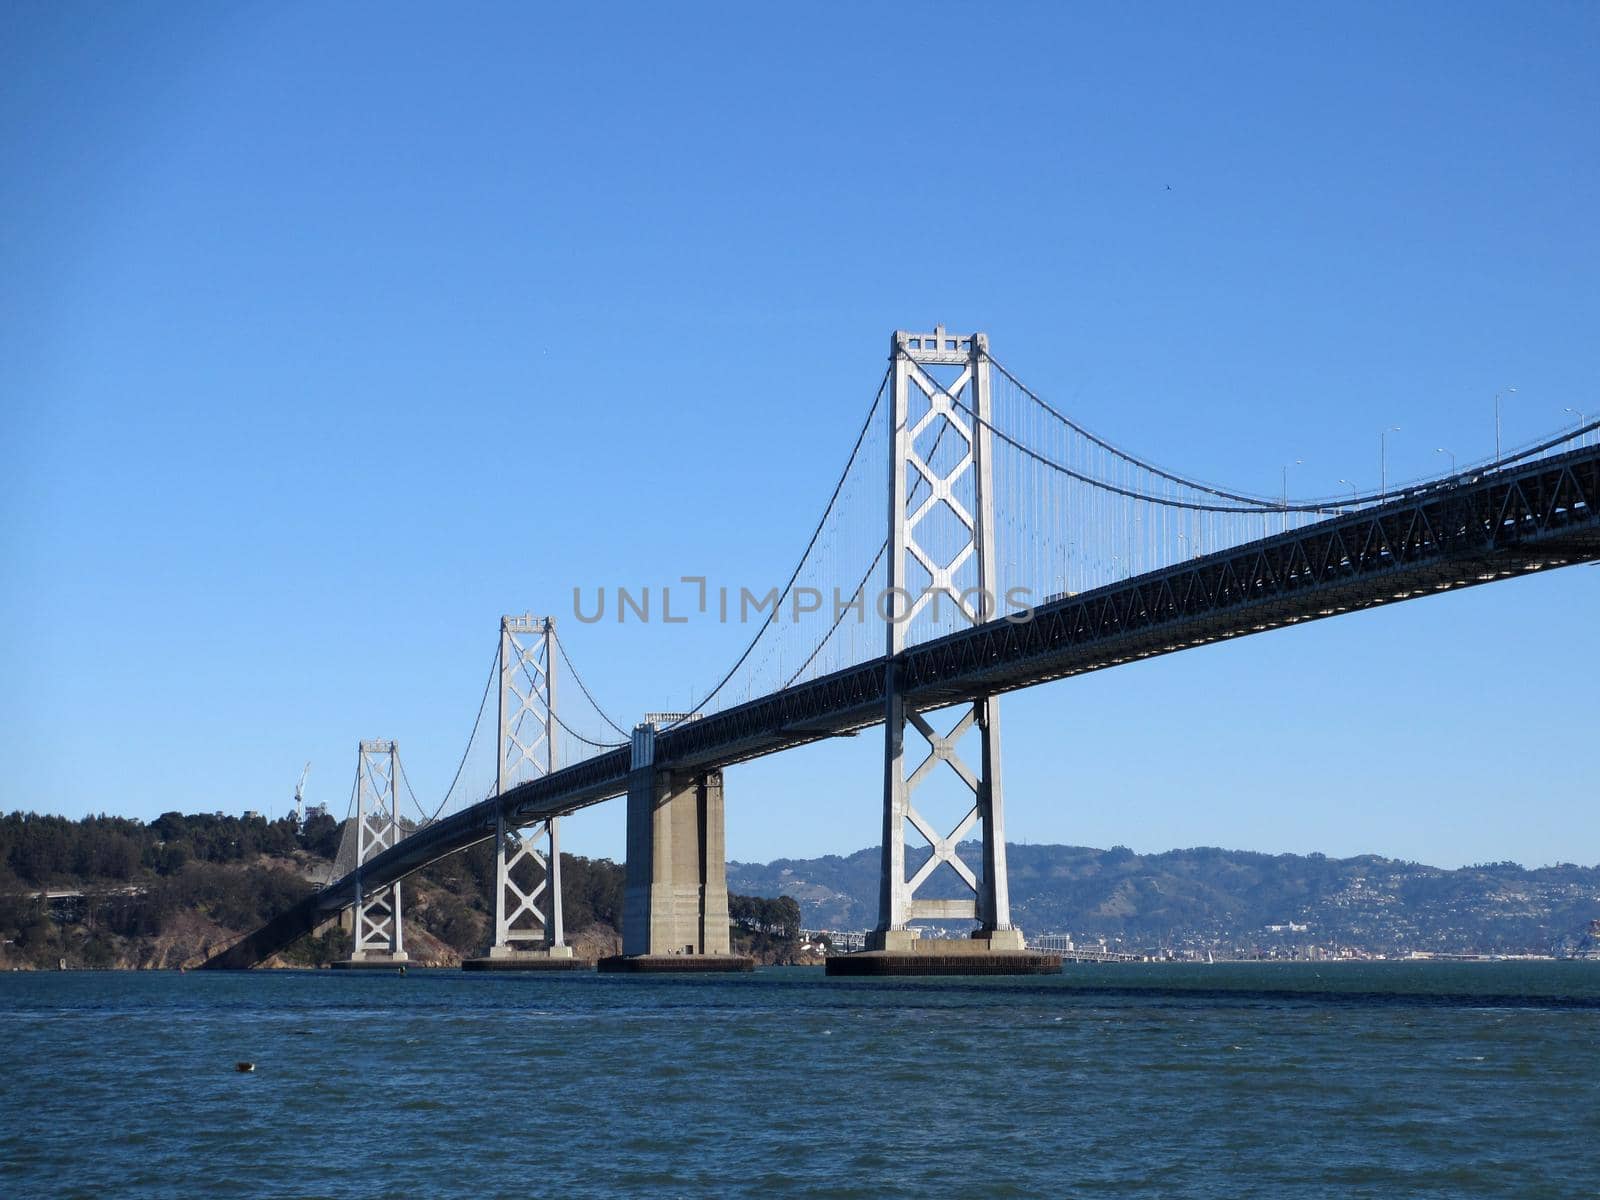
point(1582, 418)
point(1383, 461)
point(1296, 463)
point(1451, 453)
point(1502, 392)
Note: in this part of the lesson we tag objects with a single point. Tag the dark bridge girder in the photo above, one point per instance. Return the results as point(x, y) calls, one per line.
point(1447, 535)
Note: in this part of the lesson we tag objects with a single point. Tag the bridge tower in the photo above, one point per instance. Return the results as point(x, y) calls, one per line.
point(528, 933)
point(675, 899)
point(379, 937)
point(951, 568)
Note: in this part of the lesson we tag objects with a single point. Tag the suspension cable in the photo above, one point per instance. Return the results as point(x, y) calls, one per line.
point(415, 803)
point(1081, 477)
point(533, 684)
point(1256, 504)
point(806, 554)
point(488, 685)
point(355, 786)
point(1193, 485)
point(578, 679)
point(586, 741)
point(838, 618)
point(917, 485)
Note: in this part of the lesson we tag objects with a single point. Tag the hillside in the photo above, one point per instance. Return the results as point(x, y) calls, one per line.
point(172, 891)
point(1208, 898)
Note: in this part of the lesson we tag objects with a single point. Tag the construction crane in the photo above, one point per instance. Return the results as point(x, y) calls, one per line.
point(300, 797)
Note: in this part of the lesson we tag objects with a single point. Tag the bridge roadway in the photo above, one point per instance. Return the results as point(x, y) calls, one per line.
point(1455, 532)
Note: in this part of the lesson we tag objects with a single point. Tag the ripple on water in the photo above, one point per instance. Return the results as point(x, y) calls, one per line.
point(780, 1083)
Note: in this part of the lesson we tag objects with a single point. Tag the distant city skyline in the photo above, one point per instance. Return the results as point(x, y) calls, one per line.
point(325, 342)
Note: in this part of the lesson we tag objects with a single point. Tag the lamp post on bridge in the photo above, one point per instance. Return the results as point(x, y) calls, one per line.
point(1296, 463)
point(1451, 453)
point(1502, 392)
point(1353, 492)
point(1582, 419)
point(1383, 462)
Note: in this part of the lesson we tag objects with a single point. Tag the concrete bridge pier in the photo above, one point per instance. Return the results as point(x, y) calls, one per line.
point(675, 904)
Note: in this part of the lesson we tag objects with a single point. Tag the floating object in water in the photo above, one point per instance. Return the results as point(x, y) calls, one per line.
point(244, 1066)
point(402, 970)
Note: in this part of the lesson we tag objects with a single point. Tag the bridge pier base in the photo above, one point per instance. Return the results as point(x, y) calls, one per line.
point(896, 946)
point(987, 952)
point(550, 958)
point(377, 933)
point(524, 939)
point(675, 903)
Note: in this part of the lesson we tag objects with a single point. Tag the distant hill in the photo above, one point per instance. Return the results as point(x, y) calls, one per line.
point(170, 891)
point(1206, 897)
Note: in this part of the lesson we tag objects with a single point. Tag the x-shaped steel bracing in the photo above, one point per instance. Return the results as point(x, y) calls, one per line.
point(964, 487)
point(527, 751)
point(519, 846)
point(376, 931)
point(942, 749)
point(941, 489)
point(525, 722)
point(377, 925)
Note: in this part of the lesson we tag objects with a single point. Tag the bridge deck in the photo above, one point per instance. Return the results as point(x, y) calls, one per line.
point(1450, 534)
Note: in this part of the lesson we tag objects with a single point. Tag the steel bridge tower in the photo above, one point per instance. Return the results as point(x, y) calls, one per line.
point(528, 929)
point(924, 412)
point(379, 937)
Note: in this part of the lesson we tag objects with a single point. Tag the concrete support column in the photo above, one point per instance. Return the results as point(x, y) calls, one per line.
point(557, 928)
point(675, 903)
point(676, 900)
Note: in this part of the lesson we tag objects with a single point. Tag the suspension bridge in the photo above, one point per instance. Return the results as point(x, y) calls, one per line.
point(1019, 548)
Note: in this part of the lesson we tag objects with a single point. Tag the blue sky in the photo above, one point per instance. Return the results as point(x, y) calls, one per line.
point(328, 334)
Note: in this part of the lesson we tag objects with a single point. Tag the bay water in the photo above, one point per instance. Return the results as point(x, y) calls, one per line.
point(1225, 1080)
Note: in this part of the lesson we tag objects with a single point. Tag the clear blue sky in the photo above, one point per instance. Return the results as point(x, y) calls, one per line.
point(330, 333)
